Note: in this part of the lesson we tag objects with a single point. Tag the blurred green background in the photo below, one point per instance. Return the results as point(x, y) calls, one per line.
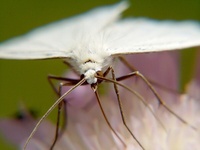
point(26, 81)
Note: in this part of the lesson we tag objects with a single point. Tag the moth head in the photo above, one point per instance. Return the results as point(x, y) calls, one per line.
point(90, 76)
point(89, 70)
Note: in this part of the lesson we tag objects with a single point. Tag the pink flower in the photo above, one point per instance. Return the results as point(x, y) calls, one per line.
point(88, 130)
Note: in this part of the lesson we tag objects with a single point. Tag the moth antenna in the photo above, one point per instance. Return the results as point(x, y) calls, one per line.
point(50, 110)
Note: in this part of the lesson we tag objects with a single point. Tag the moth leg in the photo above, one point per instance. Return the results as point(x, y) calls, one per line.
point(58, 92)
point(63, 105)
point(133, 69)
point(121, 110)
point(69, 80)
point(104, 115)
point(160, 101)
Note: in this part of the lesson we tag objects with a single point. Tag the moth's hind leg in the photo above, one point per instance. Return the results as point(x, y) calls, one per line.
point(133, 69)
point(121, 110)
point(155, 93)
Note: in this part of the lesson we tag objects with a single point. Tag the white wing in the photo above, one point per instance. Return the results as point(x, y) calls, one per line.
point(145, 35)
point(126, 36)
point(57, 39)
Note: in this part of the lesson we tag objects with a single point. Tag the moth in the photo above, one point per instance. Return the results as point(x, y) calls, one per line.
point(90, 42)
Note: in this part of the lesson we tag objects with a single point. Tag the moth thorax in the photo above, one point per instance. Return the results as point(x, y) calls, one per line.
point(90, 76)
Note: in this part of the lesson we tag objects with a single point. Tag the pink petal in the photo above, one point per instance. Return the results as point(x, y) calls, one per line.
point(18, 130)
point(159, 67)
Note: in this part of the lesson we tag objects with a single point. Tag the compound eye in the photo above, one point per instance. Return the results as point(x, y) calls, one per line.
point(99, 73)
point(82, 76)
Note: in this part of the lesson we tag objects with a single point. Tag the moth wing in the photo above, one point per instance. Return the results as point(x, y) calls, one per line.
point(145, 35)
point(58, 39)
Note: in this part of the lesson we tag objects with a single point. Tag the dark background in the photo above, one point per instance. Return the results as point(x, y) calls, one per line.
point(26, 81)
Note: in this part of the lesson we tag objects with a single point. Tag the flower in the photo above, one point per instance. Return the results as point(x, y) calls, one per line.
point(87, 129)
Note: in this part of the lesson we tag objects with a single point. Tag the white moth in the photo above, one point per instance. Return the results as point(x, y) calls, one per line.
point(90, 41)
point(99, 35)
